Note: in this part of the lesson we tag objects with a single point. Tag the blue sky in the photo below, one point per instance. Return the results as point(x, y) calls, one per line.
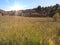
point(25, 4)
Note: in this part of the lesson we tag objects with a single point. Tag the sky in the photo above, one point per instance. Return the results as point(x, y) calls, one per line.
point(25, 4)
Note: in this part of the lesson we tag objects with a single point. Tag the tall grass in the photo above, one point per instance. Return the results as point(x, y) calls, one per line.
point(28, 31)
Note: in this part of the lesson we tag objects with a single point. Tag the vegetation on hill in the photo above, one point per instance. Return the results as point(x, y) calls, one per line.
point(49, 11)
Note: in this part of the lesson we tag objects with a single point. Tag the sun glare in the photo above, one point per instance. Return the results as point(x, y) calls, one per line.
point(16, 7)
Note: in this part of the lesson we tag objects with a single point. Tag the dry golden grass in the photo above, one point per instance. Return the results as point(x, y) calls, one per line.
point(15, 30)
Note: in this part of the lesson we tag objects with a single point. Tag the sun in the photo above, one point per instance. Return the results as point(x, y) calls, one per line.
point(15, 7)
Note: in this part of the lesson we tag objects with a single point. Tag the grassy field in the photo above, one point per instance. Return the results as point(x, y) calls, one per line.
point(15, 30)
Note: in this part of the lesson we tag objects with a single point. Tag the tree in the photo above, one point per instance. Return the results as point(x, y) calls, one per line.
point(39, 8)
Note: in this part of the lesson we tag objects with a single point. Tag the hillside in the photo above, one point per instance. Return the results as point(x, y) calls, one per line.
point(35, 12)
